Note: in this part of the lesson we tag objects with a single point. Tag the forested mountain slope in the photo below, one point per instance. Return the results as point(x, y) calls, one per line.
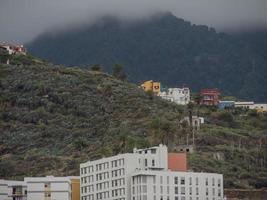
point(167, 49)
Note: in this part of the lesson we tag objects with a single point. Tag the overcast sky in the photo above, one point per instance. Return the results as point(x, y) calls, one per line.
point(22, 20)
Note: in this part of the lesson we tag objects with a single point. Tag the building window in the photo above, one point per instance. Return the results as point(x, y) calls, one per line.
point(182, 180)
point(144, 189)
point(219, 182)
point(176, 190)
point(144, 179)
point(219, 192)
point(146, 162)
point(175, 180)
point(153, 162)
point(182, 190)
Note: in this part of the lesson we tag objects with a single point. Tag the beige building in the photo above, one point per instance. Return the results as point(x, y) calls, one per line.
point(260, 107)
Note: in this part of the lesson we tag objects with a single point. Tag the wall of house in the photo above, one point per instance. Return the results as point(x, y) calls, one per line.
point(177, 162)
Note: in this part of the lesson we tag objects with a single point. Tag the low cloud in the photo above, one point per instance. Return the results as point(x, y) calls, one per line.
point(23, 20)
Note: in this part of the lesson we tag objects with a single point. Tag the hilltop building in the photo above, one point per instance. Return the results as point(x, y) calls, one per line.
point(52, 188)
point(260, 107)
point(13, 48)
point(13, 190)
point(226, 104)
point(151, 86)
point(210, 97)
point(147, 174)
point(180, 96)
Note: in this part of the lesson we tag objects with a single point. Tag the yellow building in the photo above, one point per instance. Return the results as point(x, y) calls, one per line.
point(151, 86)
point(75, 189)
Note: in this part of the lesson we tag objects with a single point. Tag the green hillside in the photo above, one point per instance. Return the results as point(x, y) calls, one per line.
point(52, 118)
point(168, 49)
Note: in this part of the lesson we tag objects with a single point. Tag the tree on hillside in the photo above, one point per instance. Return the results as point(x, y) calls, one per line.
point(96, 67)
point(118, 72)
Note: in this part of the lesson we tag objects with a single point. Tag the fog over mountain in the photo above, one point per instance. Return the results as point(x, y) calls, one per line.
point(23, 20)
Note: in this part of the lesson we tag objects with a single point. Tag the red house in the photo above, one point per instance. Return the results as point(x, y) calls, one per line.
point(210, 97)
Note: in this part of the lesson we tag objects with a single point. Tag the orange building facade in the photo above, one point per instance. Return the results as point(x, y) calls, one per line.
point(75, 189)
point(177, 162)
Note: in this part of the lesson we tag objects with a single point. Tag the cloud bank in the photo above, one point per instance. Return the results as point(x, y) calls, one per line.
point(23, 20)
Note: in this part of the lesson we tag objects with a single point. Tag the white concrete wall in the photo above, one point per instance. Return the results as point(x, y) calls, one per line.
point(3, 189)
point(60, 196)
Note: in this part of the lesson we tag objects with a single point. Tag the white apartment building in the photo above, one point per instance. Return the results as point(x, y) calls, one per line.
point(110, 178)
point(168, 185)
point(117, 178)
point(180, 96)
point(49, 188)
point(13, 190)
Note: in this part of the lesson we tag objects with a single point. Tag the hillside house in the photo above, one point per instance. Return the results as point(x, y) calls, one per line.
point(226, 105)
point(180, 96)
point(260, 107)
point(151, 86)
point(13, 48)
point(210, 97)
point(196, 122)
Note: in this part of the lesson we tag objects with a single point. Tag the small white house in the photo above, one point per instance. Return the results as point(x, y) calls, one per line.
point(180, 96)
point(196, 121)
